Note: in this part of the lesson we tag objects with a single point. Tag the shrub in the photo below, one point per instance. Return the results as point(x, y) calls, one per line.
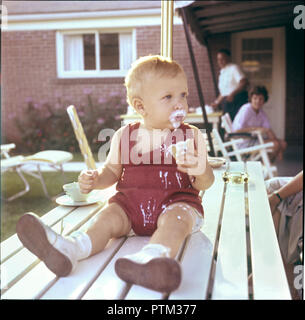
point(44, 126)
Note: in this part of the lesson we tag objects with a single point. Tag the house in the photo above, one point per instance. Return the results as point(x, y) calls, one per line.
point(43, 43)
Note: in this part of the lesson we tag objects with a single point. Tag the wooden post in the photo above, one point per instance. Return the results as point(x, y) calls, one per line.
point(167, 10)
point(197, 80)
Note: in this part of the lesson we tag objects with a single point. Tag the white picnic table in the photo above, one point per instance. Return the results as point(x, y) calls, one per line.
point(238, 238)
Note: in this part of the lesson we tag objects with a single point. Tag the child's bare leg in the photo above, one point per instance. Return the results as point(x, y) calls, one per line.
point(278, 149)
point(283, 146)
point(174, 225)
point(275, 150)
point(153, 266)
point(112, 222)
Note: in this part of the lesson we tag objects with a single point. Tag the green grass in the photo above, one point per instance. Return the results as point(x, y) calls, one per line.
point(33, 201)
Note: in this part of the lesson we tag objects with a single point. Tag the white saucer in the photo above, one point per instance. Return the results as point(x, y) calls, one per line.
point(215, 162)
point(94, 196)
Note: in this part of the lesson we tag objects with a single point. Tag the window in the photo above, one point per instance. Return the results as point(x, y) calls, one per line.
point(94, 53)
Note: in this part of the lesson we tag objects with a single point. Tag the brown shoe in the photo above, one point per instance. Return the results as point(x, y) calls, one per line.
point(50, 247)
point(159, 274)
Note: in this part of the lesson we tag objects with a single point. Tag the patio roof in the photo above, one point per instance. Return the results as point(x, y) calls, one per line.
point(207, 18)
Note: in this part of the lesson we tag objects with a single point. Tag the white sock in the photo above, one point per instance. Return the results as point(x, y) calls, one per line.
point(148, 252)
point(83, 244)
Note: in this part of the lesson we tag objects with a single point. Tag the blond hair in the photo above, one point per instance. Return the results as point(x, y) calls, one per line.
point(145, 67)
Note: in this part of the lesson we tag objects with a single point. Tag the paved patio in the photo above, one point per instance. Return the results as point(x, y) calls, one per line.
point(292, 163)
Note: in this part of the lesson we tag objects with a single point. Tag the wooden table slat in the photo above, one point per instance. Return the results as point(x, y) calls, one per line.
point(23, 261)
point(269, 279)
point(11, 245)
point(79, 281)
point(108, 285)
point(23, 276)
point(196, 264)
point(23, 290)
point(32, 284)
point(137, 292)
point(211, 203)
point(231, 268)
point(140, 293)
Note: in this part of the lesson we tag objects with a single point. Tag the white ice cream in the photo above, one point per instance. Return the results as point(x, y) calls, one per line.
point(177, 117)
point(179, 148)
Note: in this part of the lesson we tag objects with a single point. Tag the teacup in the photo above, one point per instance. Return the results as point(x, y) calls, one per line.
point(73, 191)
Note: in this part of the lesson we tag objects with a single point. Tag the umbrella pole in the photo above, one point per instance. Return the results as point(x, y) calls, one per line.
point(196, 76)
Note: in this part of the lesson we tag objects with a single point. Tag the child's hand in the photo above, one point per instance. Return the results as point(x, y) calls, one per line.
point(189, 162)
point(87, 180)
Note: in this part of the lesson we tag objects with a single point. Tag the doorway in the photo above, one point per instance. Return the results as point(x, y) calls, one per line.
point(261, 55)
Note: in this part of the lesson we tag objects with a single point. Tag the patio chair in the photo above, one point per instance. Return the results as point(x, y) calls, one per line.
point(31, 165)
point(256, 135)
point(231, 150)
point(226, 123)
point(81, 138)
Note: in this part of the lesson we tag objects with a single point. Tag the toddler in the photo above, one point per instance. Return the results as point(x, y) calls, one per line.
point(158, 185)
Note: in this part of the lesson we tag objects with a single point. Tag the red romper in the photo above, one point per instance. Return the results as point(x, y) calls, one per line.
point(145, 190)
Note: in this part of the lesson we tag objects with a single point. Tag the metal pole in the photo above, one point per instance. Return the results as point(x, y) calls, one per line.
point(196, 76)
point(212, 66)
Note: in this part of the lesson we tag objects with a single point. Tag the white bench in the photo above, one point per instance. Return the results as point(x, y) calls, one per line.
point(214, 262)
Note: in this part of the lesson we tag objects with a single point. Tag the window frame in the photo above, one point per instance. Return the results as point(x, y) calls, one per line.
point(63, 74)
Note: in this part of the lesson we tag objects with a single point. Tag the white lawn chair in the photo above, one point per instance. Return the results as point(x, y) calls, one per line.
point(256, 135)
point(226, 123)
point(231, 150)
point(31, 165)
point(81, 138)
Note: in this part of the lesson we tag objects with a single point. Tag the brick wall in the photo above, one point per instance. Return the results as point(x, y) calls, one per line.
point(181, 54)
point(148, 42)
point(28, 68)
point(29, 71)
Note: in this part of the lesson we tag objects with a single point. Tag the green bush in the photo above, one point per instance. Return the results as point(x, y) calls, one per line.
point(44, 126)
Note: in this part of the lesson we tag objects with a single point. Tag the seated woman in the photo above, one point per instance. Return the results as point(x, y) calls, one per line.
point(285, 195)
point(251, 117)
